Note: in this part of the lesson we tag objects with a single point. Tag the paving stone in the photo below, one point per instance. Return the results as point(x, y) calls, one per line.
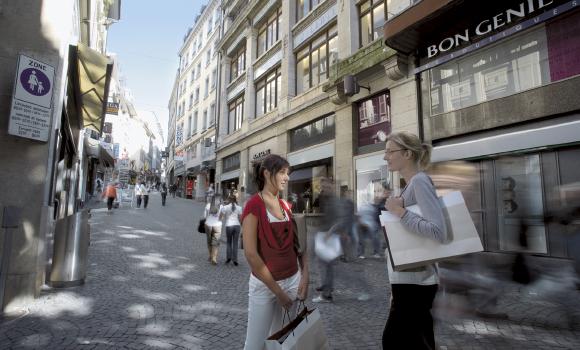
point(149, 286)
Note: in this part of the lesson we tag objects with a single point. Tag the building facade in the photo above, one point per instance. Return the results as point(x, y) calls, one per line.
point(497, 90)
point(48, 157)
point(196, 103)
point(309, 80)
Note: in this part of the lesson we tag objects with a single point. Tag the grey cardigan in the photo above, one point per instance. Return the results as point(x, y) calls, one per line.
point(430, 223)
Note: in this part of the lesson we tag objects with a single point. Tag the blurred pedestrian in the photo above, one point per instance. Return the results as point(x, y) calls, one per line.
point(410, 323)
point(173, 189)
point(231, 213)
point(110, 193)
point(163, 193)
point(279, 272)
point(146, 191)
point(213, 230)
point(139, 189)
point(210, 193)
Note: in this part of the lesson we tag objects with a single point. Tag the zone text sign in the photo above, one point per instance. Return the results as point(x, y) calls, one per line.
point(32, 99)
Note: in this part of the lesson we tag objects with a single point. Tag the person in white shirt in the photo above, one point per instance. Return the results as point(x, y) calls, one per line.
point(139, 193)
point(232, 212)
point(213, 230)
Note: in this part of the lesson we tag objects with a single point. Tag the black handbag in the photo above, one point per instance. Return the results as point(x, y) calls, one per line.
point(201, 226)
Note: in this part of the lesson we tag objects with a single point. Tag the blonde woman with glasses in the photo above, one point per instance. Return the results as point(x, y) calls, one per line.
point(410, 324)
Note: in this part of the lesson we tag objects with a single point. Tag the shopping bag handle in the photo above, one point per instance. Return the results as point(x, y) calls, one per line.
point(286, 312)
point(303, 304)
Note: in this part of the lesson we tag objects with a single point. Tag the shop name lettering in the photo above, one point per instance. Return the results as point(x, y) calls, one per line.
point(262, 154)
point(488, 25)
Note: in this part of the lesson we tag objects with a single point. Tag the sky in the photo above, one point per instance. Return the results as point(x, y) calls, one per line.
point(147, 40)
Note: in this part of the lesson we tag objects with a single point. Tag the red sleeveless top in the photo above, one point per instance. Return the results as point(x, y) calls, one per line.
point(275, 240)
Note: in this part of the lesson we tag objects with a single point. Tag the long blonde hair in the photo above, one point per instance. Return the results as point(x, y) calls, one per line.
point(421, 151)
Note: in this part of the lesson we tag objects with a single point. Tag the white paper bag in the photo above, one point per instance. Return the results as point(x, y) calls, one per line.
point(409, 250)
point(327, 248)
point(305, 332)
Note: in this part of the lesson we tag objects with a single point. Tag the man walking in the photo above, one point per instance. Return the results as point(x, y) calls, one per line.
point(110, 193)
point(163, 193)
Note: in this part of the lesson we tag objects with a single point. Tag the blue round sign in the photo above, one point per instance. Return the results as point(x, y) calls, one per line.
point(35, 82)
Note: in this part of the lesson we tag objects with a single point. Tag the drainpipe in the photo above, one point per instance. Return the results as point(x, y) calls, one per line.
point(419, 101)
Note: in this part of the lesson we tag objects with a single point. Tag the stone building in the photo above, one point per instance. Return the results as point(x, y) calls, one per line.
point(497, 90)
point(284, 68)
point(194, 104)
point(50, 128)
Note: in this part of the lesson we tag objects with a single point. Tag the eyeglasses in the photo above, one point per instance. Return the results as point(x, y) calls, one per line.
point(389, 152)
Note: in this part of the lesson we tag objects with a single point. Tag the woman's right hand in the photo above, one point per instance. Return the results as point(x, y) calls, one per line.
point(285, 300)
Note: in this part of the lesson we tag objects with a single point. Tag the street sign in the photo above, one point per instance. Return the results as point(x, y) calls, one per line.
point(32, 99)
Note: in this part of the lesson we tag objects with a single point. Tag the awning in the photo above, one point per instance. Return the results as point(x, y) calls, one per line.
point(94, 76)
point(94, 149)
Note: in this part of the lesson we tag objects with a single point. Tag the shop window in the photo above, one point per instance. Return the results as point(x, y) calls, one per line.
point(268, 92)
point(374, 119)
point(231, 162)
point(506, 69)
point(236, 114)
point(372, 19)
point(268, 33)
point(520, 204)
point(313, 133)
point(306, 186)
point(313, 61)
point(372, 183)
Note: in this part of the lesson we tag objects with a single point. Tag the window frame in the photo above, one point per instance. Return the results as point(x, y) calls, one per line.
point(274, 18)
point(269, 79)
point(237, 106)
point(311, 4)
point(308, 49)
point(238, 61)
point(370, 11)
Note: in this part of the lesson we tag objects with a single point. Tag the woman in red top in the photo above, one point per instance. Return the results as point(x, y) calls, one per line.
point(277, 280)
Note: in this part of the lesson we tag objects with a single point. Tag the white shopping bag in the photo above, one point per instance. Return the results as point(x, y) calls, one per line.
point(409, 250)
point(327, 247)
point(305, 332)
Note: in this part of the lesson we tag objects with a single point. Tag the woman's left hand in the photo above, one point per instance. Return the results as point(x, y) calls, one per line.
point(395, 205)
point(303, 288)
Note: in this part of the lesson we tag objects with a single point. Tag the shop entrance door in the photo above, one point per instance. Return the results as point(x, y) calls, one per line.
point(520, 204)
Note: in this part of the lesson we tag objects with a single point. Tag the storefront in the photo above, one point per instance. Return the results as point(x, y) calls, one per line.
point(230, 176)
point(373, 121)
point(311, 159)
point(256, 154)
point(501, 94)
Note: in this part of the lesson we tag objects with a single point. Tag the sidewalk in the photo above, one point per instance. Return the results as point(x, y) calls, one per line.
point(149, 286)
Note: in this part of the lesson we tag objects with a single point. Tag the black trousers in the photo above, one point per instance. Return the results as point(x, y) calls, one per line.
point(410, 324)
point(145, 200)
point(163, 198)
point(110, 201)
point(139, 201)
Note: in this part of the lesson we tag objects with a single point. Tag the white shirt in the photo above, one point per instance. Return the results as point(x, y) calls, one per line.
point(272, 218)
point(232, 217)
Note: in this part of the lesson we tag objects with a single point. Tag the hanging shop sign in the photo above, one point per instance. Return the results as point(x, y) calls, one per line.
point(32, 99)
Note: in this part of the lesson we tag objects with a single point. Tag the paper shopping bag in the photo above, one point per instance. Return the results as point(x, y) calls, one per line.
point(409, 250)
point(305, 332)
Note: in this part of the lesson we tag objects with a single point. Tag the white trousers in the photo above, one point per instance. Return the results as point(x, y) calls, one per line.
point(265, 314)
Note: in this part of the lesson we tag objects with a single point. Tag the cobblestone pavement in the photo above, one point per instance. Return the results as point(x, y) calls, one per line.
point(149, 286)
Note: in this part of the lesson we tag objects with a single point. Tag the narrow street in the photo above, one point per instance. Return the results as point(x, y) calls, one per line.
point(149, 285)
